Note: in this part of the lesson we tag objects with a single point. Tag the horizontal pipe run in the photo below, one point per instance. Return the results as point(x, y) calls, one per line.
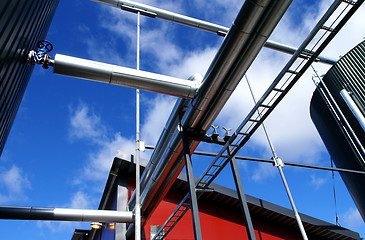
point(63, 214)
point(200, 24)
point(122, 76)
point(291, 50)
point(166, 15)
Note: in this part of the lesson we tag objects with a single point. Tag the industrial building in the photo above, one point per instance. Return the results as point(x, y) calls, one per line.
point(219, 210)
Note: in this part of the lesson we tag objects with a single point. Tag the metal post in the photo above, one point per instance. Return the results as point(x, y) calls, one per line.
point(242, 197)
point(138, 207)
point(192, 190)
point(299, 221)
point(279, 164)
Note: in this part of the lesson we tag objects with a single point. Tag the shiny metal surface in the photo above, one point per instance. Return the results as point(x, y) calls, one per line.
point(354, 109)
point(167, 15)
point(127, 77)
point(251, 29)
point(63, 214)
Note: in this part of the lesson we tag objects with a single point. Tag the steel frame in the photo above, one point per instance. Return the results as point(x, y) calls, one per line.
point(192, 190)
point(242, 198)
point(275, 93)
point(266, 160)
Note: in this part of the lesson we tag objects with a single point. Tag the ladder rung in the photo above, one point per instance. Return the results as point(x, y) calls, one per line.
point(234, 145)
point(327, 29)
point(278, 89)
point(261, 105)
point(252, 120)
point(292, 72)
point(241, 133)
point(349, 2)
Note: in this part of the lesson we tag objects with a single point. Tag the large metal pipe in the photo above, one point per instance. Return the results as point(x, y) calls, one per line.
point(63, 214)
point(122, 76)
point(197, 23)
point(252, 27)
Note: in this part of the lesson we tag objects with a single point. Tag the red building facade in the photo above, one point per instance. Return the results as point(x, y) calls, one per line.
point(219, 212)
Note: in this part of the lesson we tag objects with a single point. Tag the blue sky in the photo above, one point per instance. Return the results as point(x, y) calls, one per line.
point(67, 130)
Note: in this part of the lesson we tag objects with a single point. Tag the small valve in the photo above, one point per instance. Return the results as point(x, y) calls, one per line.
point(40, 56)
point(215, 134)
point(227, 135)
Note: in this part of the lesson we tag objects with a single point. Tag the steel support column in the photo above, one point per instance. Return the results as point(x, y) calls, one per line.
point(242, 198)
point(192, 191)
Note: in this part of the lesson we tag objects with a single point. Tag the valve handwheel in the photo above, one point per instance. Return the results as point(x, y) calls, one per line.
point(45, 45)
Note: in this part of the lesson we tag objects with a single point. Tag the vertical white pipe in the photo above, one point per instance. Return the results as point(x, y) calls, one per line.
point(354, 109)
point(138, 207)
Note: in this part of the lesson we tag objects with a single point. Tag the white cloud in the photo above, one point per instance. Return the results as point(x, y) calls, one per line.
point(317, 182)
point(100, 161)
point(264, 171)
point(193, 62)
point(157, 114)
point(14, 185)
point(84, 124)
point(80, 200)
point(352, 219)
point(87, 125)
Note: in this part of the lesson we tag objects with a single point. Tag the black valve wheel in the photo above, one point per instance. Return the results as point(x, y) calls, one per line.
point(45, 45)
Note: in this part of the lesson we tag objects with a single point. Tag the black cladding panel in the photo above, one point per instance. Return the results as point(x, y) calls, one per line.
point(349, 74)
point(22, 24)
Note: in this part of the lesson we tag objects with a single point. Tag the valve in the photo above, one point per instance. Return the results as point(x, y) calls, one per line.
point(40, 56)
point(215, 134)
point(226, 135)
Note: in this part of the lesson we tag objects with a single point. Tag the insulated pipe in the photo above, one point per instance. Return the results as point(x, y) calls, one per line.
point(122, 76)
point(63, 214)
point(197, 23)
point(251, 29)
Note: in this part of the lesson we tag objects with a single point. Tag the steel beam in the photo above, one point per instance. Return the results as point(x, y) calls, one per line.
point(266, 160)
point(64, 214)
point(242, 198)
point(192, 190)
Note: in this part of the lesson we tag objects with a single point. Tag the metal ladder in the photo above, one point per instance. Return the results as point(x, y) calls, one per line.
point(317, 40)
point(174, 218)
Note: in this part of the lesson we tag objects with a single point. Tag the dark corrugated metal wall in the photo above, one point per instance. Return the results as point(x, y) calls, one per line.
point(22, 24)
point(348, 73)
